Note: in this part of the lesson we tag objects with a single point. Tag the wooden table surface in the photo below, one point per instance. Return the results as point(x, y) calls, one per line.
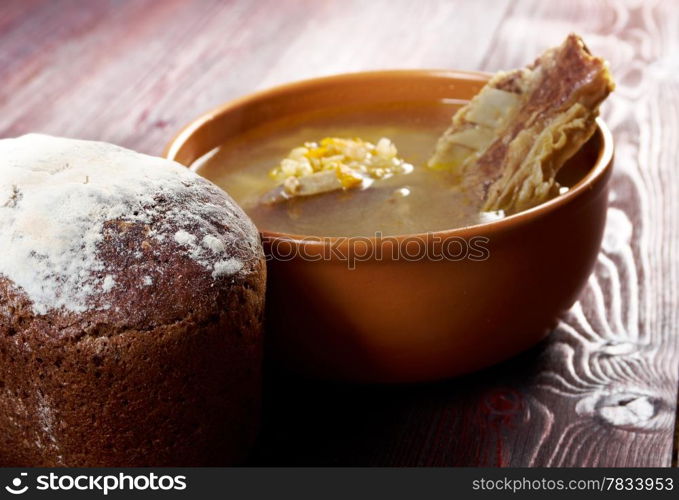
point(601, 390)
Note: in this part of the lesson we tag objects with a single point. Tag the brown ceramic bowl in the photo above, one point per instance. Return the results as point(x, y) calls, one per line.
point(407, 319)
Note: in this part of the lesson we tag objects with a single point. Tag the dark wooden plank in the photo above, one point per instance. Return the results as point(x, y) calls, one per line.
point(600, 391)
point(132, 72)
point(609, 380)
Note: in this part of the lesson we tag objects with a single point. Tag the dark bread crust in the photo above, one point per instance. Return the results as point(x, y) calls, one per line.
point(166, 374)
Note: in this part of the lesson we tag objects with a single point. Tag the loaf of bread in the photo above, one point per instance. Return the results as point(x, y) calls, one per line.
point(131, 302)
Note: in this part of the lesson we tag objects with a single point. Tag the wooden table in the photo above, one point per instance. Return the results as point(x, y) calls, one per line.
point(602, 390)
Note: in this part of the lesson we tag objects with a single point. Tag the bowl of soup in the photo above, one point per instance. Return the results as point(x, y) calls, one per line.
point(402, 282)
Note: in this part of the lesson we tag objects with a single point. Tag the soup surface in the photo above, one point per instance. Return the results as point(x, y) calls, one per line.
point(423, 200)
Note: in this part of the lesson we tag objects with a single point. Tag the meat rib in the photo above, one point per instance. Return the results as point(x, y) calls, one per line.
point(509, 142)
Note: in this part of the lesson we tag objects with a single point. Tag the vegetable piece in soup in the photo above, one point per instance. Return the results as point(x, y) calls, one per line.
point(334, 163)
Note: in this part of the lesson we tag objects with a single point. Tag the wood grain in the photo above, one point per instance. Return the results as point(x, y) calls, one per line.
point(602, 390)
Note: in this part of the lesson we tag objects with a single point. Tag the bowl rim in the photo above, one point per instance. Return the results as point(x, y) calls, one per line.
point(595, 175)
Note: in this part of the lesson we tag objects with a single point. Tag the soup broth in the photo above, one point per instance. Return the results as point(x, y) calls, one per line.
point(423, 200)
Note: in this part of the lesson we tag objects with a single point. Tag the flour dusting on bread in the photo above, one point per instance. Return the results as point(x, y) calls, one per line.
point(58, 195)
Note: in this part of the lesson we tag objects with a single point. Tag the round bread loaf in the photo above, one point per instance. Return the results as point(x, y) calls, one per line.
point(131, 298)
